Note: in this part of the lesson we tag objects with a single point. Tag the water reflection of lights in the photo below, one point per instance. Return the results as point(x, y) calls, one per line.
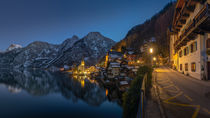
point(83, 83)
point(107, 92)
point(82, 79)
point(13, 89)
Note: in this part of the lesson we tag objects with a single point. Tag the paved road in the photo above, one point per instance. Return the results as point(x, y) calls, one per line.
point(182, 96)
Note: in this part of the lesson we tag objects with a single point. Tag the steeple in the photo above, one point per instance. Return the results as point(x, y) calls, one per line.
point(83, 62)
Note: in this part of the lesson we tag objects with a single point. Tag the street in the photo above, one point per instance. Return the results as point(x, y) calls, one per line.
point(182, 96)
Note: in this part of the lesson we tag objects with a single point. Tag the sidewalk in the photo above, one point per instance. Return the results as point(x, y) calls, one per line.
point(152, 104)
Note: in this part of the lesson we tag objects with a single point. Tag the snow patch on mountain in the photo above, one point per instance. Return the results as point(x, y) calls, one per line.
point(68, 43)
point(13, 46)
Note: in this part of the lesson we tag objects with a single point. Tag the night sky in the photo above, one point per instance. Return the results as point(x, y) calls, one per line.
point(25, 21)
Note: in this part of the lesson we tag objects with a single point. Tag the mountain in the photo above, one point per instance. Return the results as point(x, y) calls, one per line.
point(91, 48)
point(35, 55)
point(13, 46)
point(68, 43)
point(44, 55)
point(154, 28)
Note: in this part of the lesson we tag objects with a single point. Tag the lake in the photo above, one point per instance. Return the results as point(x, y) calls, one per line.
point(43, 94)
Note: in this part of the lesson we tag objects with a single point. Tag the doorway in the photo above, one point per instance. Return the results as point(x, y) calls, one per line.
point(208, 70)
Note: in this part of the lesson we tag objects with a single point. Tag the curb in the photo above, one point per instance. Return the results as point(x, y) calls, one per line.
point(162, 112)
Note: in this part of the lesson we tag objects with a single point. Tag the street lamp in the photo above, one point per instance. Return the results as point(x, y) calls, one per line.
point(151, 50)
point(154, 58)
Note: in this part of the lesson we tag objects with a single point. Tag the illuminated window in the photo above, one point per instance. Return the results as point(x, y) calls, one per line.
point(186, 67)
point(193, 67)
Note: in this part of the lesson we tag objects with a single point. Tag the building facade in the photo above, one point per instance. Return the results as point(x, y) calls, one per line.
point(113, 69)
point(190, 38)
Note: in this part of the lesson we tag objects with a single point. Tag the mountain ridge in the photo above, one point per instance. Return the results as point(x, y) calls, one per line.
point(40, 54)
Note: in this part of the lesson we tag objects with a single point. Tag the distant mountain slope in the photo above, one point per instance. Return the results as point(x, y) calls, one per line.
point(36, 55)
point(91, 48)
point(43, 55)
point(156, 27)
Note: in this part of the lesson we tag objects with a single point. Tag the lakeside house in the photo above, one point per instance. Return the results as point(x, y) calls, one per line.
point(190, 38)
point(113, 69)
point(118, 68)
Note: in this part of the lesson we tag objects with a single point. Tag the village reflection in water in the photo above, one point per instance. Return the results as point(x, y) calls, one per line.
point(41, 89)
point(83, 78)
point(41, 83)
point(112, 93)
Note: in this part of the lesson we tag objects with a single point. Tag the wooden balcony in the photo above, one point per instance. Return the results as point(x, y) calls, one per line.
point(183, 11)
point(199, 25)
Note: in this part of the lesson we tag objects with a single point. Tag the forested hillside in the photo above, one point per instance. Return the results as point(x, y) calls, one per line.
point(156, 27)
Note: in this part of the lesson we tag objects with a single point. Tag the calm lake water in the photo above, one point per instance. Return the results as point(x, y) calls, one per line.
point(43, 94)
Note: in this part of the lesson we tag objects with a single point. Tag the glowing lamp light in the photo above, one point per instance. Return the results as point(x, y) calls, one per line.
point(61, 69)
point(125, 56)
point(151, 50)
point(154, 58)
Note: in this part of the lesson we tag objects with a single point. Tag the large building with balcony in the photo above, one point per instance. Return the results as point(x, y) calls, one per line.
point(190, 38)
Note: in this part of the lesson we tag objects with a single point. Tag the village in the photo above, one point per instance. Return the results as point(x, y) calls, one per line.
point(117, 69)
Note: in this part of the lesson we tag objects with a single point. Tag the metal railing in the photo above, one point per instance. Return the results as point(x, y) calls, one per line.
point(142, 102)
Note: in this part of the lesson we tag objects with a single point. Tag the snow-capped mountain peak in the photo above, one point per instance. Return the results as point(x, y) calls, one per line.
point(13, 46)
point(92, 35)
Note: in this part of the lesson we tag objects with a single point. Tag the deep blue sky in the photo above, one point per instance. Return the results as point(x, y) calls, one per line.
point(25, 21)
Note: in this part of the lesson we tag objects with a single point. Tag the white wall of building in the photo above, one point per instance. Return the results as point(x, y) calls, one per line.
point(193, 57)
point(199, 57)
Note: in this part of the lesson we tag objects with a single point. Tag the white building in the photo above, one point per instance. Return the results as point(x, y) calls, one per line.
point(190, 38)
point(113, 69)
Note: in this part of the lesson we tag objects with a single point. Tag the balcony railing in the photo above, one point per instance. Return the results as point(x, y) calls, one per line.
point(199, 18)
point(182, 10)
